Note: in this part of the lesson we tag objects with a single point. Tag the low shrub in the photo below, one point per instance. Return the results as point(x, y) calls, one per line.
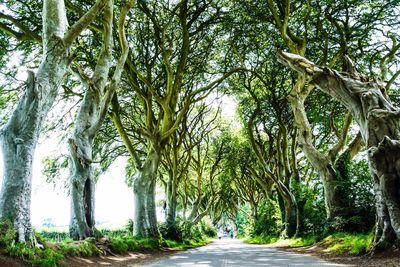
point(54, 236)
point(208, 229)
point(123, 244)
point(8, 234)
point(171, 232)
point(118, 245)
point(35, 256)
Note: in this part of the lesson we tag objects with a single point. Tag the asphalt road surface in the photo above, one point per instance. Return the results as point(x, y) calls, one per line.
point(232, 252)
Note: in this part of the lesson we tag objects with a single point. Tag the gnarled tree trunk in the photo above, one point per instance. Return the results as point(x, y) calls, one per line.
point(82, 185)
point(337, 205)
point(291, 211)
point(99, 92)
point(19, 136)
point(144, 186)
point(379, 123)
point(172, 200)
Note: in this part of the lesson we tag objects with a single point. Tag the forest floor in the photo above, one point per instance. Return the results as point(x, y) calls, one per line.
point(387, 259)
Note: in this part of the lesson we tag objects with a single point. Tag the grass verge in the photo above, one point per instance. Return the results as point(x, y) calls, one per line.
point(51, 253)
point(349, 243)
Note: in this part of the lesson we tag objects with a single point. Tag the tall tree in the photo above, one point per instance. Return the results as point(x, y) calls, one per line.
point(168, 73)
point(340, 31)
point(378, 120)
point(93, 109)
point(178, 155)
point(19, 136)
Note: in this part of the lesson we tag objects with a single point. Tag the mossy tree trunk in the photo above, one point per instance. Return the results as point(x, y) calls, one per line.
point(91, 114)
point(337, 203)
point(144, 184)
point(282, 175)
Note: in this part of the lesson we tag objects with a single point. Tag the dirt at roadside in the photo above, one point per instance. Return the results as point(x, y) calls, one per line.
point(387, 259)
point(11, 262)
point(132, 259)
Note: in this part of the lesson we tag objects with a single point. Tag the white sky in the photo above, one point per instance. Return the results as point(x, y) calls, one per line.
point(113, 197)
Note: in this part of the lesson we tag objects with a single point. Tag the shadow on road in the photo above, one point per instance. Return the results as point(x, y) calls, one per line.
point(233, 252)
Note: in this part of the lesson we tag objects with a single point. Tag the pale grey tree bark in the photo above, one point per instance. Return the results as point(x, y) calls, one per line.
point(379, 124)
point(144, 181)
point(19, 136)
point(91, 114)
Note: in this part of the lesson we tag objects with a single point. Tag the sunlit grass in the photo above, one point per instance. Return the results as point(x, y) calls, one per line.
point(349, 243)
point(123, 244)
point(339, 242)
point(262, 240)
point(293, 242)
point(190, 243)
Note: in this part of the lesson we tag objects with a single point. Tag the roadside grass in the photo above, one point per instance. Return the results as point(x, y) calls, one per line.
point(349, 242)
point(55, 246)
point(342, 243)
point(189, 243)
point(125, 243)
point(262, 239)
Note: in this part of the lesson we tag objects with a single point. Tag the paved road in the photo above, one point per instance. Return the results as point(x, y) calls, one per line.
point(232, 252)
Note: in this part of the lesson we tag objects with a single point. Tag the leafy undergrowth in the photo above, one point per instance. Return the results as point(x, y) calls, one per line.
point(49, 254)
point(123, 244)
point(348, 243)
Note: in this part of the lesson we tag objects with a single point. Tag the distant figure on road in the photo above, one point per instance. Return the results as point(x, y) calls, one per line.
point(231, 233)
point(219, 234)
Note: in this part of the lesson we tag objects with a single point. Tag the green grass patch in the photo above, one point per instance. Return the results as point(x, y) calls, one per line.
point(262, 240)
point(188, 243)
point(86, 248)
point(292, 242)
point(339, 242)
point(123, 244)
point(349, 243)
point(302, 241)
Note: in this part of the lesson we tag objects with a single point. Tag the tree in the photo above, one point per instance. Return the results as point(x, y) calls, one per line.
point(90, 117)
point(167, 73)
point(178, 157)
point(378, 120)
point(19, 136)
point(201, 189)
point(341, 29)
